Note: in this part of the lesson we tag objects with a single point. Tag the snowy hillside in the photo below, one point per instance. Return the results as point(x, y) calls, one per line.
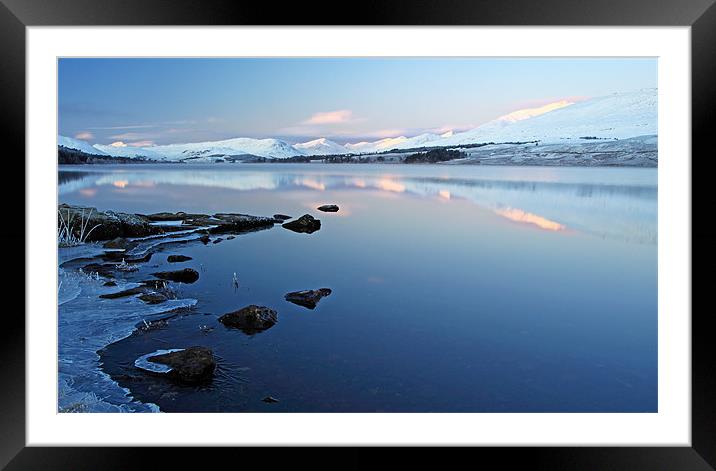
point(76, 144)
point(320, 146)
point(616, 116)
point(127, 151)
point(272, 148)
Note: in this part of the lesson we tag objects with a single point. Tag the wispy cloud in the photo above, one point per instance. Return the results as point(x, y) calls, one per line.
point(133, 136)
point(330, 117)
point(84, 135)
point(128, 126)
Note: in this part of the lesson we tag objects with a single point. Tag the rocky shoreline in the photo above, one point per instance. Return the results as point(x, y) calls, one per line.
point(126, 242)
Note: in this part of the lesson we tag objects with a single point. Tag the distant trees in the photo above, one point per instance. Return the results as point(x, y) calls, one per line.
point(66, 156)
point(433, 156)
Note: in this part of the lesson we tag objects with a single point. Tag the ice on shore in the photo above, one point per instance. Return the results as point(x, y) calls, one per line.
point(88, 323)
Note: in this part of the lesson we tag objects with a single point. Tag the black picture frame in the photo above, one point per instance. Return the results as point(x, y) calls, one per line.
point(700, 15)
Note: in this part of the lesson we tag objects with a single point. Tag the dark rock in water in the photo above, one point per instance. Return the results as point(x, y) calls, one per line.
point(205, 239)
point(177, 258)
point(187, 275)
point(231, 222)
point(250, 319)
point(155, 284)
point(269, 399)
point(145, 326)
point(230, 238)
point(109, 283)
point(216, 241)
point(328, 208)
point(306, 224)
point(281, 217)
point(105, 225)
point(143, 259)
point(193, 365)
point(119, 243)
point(153, 298)
point(180, 216)
point(124, 293)
point(307, 298)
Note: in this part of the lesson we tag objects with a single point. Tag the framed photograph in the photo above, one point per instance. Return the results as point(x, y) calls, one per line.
point(429, 227)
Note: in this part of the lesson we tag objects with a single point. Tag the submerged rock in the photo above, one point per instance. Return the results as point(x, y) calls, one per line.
point(269, 399)
point(155, 284)
point(216, 241)
point(187, 275)
point(307, 298)
point(281, 217)
point(328, 208)
point(145, 326)
point(153, 298)
point(119, 243)
point(305, 224)
point(109, 283)
point(177, 258)
point(192, 365)
point(124, 293)
point(205, 239)
point(250, 319)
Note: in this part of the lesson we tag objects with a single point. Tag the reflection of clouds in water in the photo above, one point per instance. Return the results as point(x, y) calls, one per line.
point(310, 183)
point(387, 184)
point(612, 203)
point(621, 212)
point(517, 215)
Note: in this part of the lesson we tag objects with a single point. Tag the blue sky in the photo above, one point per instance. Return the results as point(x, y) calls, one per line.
point(161, 101)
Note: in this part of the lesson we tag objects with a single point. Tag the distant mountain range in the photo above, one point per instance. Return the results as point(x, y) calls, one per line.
point(615, 116)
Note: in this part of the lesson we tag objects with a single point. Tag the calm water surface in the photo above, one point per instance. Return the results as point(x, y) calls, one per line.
point(455, 288)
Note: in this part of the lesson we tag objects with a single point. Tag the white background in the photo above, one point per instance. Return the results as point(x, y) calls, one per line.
point(670, 426)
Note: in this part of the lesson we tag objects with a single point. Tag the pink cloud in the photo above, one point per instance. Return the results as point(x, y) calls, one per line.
point(330, 117)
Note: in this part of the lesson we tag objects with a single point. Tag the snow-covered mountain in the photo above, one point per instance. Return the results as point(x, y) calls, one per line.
point(79, 145)
point(615, 116)
point(320, 146)
point(127, 151)
point(272, 148)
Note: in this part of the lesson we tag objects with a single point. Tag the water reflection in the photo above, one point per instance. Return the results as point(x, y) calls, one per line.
point(517, 215)
point(456, 289)
point(610, 203)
